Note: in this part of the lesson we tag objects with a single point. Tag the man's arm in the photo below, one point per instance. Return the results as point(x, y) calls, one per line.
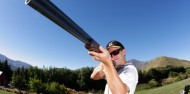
point(98, 73)
point(114, 82)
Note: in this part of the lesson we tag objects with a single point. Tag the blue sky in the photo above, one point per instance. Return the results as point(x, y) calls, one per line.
point(147, 28)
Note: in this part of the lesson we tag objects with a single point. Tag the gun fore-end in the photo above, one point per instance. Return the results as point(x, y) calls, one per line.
point(93, 46)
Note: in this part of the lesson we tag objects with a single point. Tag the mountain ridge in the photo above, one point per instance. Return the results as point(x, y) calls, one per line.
point(164, 61)
point(14, 64)
point(138, 64)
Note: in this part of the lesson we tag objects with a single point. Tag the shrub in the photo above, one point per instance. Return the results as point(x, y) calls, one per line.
point(173, 74)
point(181, 76)
point(153, 83)
point(62, 88)
point(168, 80)
point(143, 86)
point(188, 71)
point(36, 85)
point(55, 88)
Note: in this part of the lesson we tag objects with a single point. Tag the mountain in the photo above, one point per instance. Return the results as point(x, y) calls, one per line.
point(14, 64)
point(138, 64)
point(161, 61)
point(164, 61)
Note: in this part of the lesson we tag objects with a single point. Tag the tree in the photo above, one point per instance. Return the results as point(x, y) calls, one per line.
point(55, 88)
point(84, 80)
point(36, 85)
point(6, 70)
point(19, 80)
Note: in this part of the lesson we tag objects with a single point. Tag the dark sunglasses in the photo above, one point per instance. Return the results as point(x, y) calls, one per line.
point(115, 52)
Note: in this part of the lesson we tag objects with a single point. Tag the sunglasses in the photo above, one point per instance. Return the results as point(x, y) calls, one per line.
point(115, 52)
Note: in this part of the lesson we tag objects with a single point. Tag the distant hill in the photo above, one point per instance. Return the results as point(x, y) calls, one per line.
point(14, 64)
point(164, 61)
point(138, 64)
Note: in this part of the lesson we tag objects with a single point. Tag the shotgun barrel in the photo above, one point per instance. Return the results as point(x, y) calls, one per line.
point(49, 10)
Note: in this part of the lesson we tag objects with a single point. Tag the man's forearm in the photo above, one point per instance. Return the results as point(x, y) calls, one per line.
point(114, 82)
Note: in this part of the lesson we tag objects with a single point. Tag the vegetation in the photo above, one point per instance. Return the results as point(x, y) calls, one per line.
point(5, 68)
point(157, 78)
point(4, 92)
point(160, 73)
point(174, 88)
point(53, 80)
point(59, 80)
point(164, 61)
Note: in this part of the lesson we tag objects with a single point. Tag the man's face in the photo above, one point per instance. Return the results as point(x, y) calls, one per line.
point(117, 55)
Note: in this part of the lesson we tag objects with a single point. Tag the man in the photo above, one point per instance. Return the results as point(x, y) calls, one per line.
point(122, 77)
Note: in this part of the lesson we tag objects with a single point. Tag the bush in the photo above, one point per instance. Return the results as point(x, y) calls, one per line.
point(62, 88)
point(168, 80)
point(153, 83)
point(143, 86)
point(173, 74)
point(36, 85)
point(188, 71)
point(55, 88)
point(181, 76)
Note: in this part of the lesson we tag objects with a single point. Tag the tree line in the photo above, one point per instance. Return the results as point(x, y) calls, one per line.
point(159, 73)
point(6, 69)
point(56, 80)
point(160, 76)
point(49, 80)
point(29, 79)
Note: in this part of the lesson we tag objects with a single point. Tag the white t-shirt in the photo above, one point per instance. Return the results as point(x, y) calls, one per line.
point(128, 74)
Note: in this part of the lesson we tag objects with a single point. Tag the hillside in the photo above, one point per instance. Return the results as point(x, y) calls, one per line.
point(138, 64)
point(164, 61)
point(14, 63)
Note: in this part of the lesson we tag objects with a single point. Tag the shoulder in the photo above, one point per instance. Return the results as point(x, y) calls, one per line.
point(129, 74)
point(130, 68)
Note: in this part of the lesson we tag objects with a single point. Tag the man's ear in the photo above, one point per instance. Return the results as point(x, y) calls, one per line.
point(124, 51)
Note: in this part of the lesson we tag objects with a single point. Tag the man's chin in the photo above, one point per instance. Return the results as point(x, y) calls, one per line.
point(116, 66)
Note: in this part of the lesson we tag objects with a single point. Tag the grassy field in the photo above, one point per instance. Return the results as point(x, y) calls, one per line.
point(4, 92)
point(174, 88)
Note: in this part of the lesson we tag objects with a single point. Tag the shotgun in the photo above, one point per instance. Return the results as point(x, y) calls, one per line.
point(53, 13)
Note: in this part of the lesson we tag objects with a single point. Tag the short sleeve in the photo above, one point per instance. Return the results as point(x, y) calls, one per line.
point(129, 76)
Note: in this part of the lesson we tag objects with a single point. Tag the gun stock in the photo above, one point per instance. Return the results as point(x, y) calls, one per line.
point(49, 10)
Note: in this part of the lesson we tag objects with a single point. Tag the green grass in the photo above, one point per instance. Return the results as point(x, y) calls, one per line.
point(4, 92)
point(174, 88)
